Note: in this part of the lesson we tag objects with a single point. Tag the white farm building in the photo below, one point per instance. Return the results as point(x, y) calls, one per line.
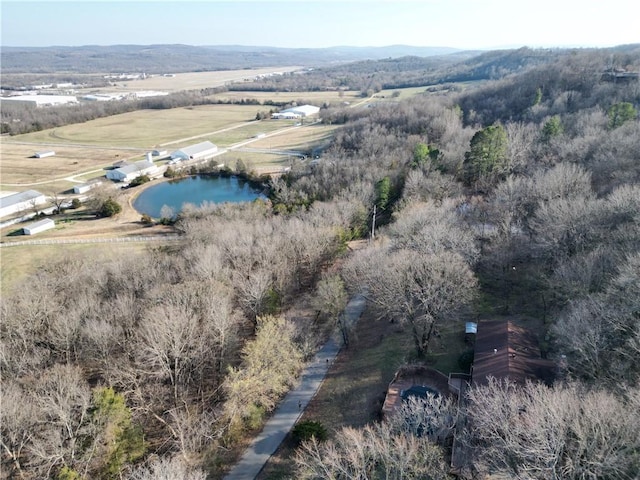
point(297, 112)
point(39, 100)
point(131, 171)
point(37, 227)
point(85, 187)
point(45, 154)
point(21, 201)
point(199, 151)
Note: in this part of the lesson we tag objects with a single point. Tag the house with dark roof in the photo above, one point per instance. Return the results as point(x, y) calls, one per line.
point(506, 350)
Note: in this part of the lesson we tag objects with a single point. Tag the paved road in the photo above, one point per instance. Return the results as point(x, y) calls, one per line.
point(291, 408)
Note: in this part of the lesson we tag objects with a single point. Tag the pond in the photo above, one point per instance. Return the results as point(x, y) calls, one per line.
point(196, 190)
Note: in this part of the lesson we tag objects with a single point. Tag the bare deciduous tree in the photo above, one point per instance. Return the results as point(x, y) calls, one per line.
point(564, 432)
point(421, 291)
point(167, 468)
point(374, 452)
point(19, 418)
point(428, 228)
point(63, 398)
point(330, 301)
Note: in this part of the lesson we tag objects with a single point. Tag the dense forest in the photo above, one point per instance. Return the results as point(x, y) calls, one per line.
point(163, 361)
point(174, 58)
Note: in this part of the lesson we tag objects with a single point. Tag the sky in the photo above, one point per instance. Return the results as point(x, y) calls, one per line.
point(464, 24)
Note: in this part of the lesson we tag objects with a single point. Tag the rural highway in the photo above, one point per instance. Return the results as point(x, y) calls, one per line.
point(293, 405)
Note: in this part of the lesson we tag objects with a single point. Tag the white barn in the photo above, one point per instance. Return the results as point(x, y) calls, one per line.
point(285, 115)
point(85, 187)
point(134, 170)
point(48, 153)
point(199, 151)
point(21, 201)
point(304, 110)
point(296, 112)
point(37, 227)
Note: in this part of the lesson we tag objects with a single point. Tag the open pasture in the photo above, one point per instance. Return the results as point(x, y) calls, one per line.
point(301, 138)
point(146, 128)
point(192, 80)
point(18, 166)
point(249, 131)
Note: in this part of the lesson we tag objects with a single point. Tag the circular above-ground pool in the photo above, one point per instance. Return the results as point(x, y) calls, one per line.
point(196, 190)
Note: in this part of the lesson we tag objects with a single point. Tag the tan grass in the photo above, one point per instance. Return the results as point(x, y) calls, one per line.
point(17, 166)
point(146, 129)
point(191, 80)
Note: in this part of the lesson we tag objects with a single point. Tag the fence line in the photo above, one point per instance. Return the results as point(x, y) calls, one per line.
point(54, 241)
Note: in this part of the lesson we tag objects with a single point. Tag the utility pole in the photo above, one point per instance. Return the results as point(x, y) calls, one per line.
point(373, 223)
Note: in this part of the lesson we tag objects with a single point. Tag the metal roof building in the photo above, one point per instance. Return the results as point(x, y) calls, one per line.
point(18, 202)
point(40, 226)
point(131, 171)
point(199, 151)
point(39, 100)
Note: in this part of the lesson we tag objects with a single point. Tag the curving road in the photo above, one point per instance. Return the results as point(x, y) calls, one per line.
point(293, 405)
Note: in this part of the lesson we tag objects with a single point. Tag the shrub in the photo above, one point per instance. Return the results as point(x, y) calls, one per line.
point(139, 180)
point(109, 208)
point(308, 429)
point(146, 219)
point(465, 360)
point(75, 203)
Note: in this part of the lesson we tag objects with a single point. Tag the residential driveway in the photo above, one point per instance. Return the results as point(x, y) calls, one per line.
point(291, 408)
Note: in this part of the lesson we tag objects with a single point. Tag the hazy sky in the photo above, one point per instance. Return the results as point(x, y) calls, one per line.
point(465, 24)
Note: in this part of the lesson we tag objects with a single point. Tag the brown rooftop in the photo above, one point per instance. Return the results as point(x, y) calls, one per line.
point(503, 349)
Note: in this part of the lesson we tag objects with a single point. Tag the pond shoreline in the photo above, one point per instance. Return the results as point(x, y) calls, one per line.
point(258, 188)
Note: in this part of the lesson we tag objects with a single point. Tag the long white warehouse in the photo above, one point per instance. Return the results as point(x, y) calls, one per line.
point(199, 151)
point(21, 201)
point(39, 100)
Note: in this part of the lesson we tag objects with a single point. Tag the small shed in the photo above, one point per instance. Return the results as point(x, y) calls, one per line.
point(37, 227)
point(45, 154)
point(160, 153)
point(85, 187)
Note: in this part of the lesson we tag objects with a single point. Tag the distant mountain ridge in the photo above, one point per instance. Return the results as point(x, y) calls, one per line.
point(182, 58)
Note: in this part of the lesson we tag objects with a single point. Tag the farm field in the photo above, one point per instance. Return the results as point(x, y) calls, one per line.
point(85, 149)
point(191, 81)
point(146, 128)
point(18, 168)
point(302, 138)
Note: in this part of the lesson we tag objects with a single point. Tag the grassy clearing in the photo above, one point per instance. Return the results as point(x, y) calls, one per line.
point(258, 162)
point(249, 131)
point(303, 138)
